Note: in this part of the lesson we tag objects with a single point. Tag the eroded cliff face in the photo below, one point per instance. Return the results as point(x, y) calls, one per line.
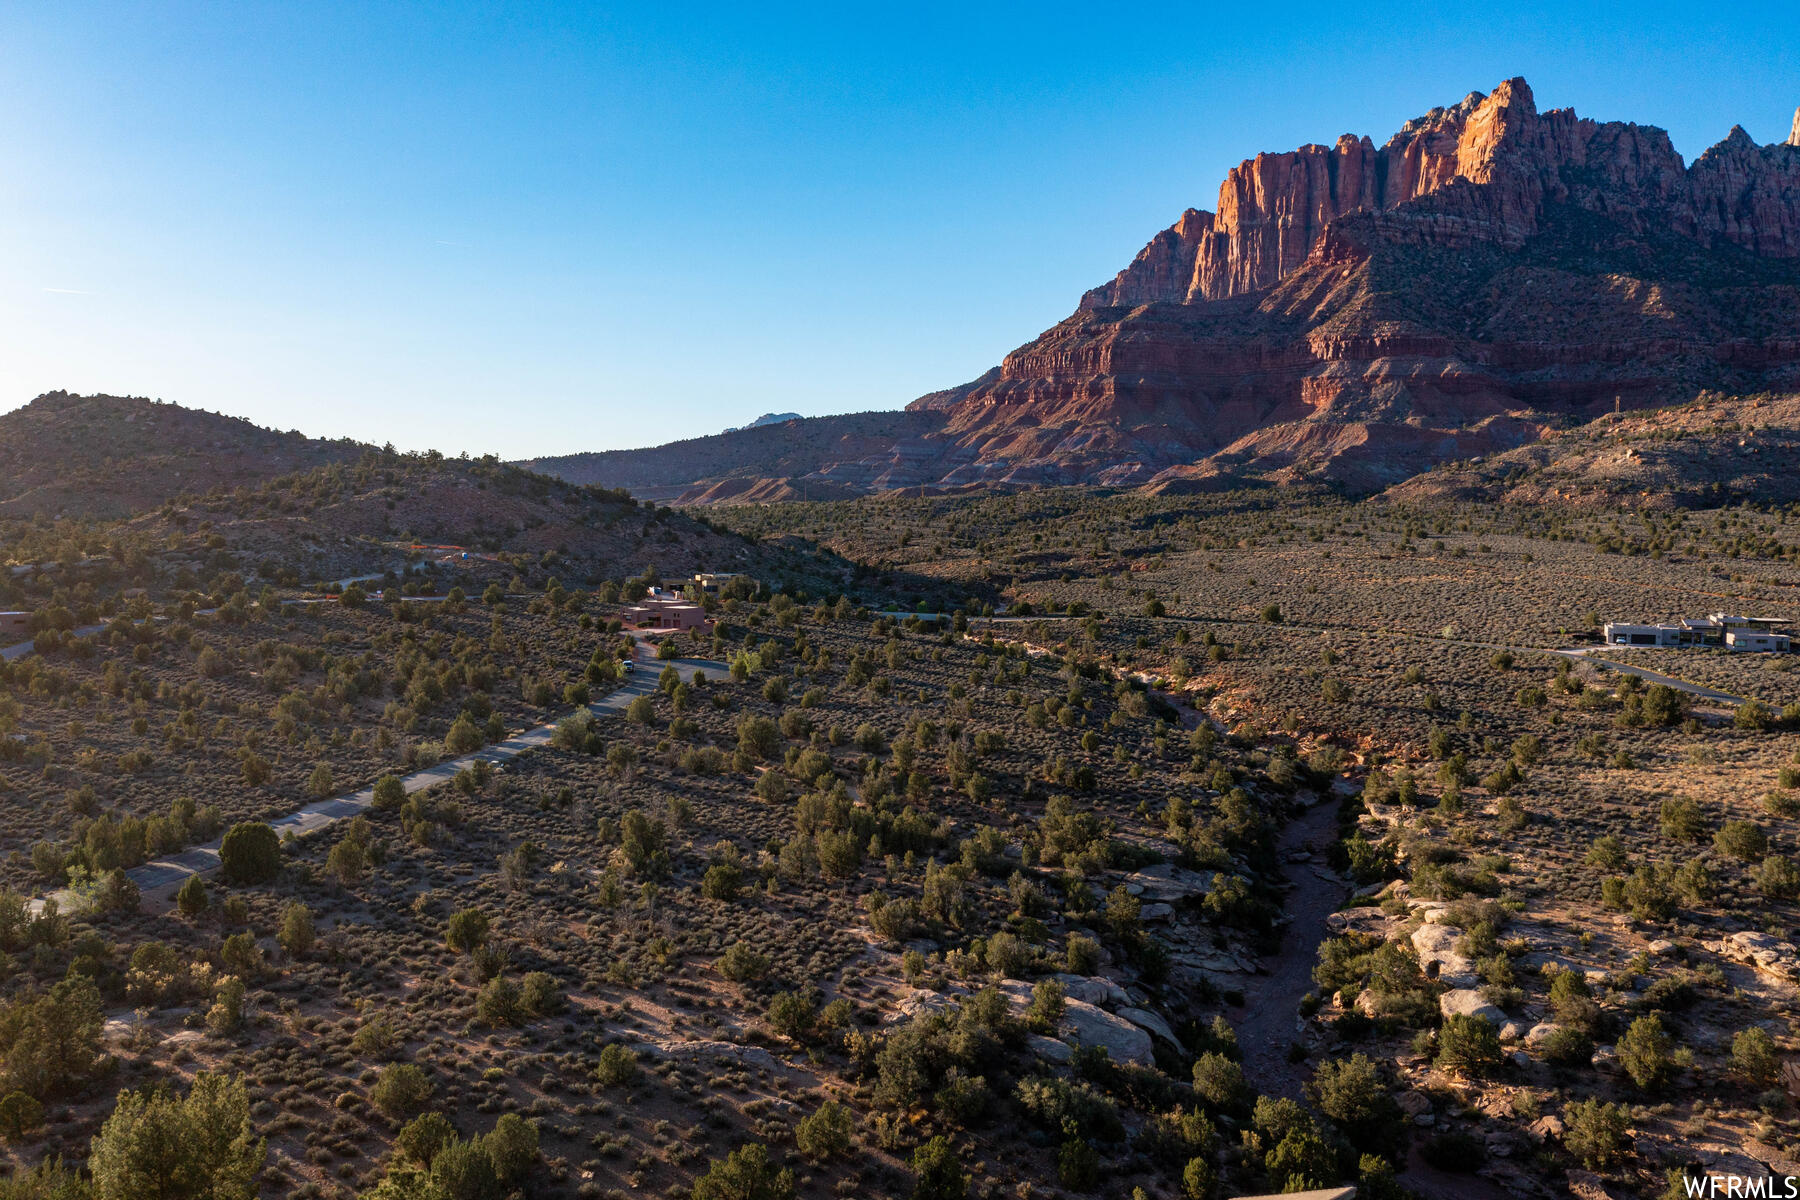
point(1361, 313)
point(1490, 164)
point(1365, 312)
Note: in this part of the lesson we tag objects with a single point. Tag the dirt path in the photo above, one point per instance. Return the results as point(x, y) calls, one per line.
point(1268, 1022)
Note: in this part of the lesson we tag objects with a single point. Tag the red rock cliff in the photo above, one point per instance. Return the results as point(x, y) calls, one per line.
point(1275, 210)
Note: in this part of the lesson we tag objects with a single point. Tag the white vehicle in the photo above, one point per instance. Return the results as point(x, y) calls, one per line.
point(629, 666)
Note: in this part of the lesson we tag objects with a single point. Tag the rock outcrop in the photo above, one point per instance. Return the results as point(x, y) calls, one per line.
point(1351, 313)
point(1435, 945)
point(1768, 954)
point(1364, 313)
point(1485, 168)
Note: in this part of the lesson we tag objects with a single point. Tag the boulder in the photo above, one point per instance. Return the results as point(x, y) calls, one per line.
point(921, 1001)
point(1725, 1165)
point(1168, 882)
point(1540, 1033)
point(1467, 1002)
point(1215, 962)
point(1092, 989)
point(1049, 1049)
point(1361, 920)
point(1156, 911)
point(1087, 1025)
point(1143, 1018)
point(754, 1056)
point(1414, 1103)
point(1435, 945)
point(1545, 1128)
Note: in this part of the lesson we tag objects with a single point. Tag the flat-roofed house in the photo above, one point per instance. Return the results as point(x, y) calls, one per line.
point(664, 611)
point(1714, 629)
point(1757, 641)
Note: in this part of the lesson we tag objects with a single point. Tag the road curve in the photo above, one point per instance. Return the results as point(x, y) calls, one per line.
point(1580, 654)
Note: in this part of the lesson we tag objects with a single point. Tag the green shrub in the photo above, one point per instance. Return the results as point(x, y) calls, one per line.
point(497, 1004)
point(1742, 840)
point(616, 1066)
point(422, 1137)
point(401, 1091)
point(250, 853)
point(745, 1174)
point(720, 882)
point(937, 1173)
point(296, 934)
point(19, 1115)
point(1469, 1044)
point(1198, 1180)
point(1644, 1052)
point(1350, 1091)
point(466, 930)
point(825, 1133)
point(1078, 1165)
point(540, 995)
point(1680, 820)
point(1302, 1160)
point(389, 794)
point(192, 900)
point(1568, 1047)
point(1754, 1057)
point(741, 964)
point(1594, 1132)
point(1219, 1083)
point(157, 1146)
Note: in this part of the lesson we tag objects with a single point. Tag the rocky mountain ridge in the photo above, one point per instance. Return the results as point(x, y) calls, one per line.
point(1488, 166)
point(110, 456)
point(1353, 314)
point(1359, 314)
point(765, 419)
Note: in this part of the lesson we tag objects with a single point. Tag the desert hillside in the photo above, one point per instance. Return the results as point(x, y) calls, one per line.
point(108, 456)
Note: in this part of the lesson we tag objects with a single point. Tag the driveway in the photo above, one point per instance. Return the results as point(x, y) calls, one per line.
point(168, 873)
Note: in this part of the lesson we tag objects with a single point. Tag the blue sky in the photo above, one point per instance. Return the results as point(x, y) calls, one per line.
point(541, 228)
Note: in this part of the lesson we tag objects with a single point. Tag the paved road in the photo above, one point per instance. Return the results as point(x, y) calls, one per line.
point(166, 874)
point(21, 649)
point(1682, 685)
point(900, 614)
point(1575, 653)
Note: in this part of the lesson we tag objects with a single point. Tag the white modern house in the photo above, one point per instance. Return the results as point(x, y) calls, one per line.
point(1754, 634)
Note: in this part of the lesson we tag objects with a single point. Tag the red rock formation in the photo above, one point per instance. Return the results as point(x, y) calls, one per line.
point(1362, 313)
point(1274, 210)
point(1342, 291)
